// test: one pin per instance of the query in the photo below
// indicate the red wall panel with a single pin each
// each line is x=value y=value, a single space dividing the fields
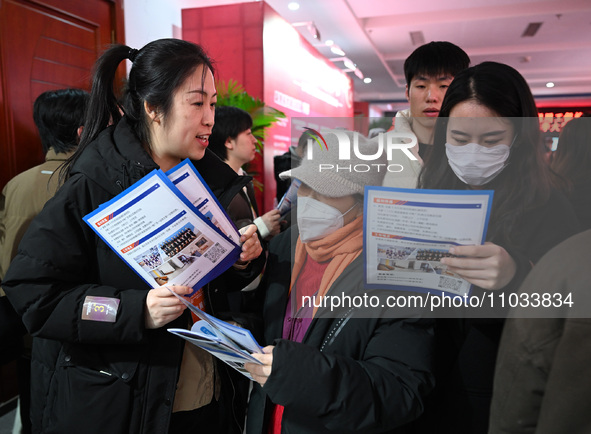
x=252 y=44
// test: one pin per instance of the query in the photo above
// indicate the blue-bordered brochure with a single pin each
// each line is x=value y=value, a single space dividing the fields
x=158 y=232
x=408 y=231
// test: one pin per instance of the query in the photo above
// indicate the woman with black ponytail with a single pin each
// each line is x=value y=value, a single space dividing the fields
x=487 y=136
x=128 y=375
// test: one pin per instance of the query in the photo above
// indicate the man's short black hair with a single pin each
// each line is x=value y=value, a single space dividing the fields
x=58 y=114
x=435 y=59
x=229 y=122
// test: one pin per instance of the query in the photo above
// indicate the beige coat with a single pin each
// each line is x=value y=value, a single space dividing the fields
x=543 y=373
x=22 y=199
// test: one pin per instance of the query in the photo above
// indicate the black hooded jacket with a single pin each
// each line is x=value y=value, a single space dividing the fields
x=356 y=371
x=90 y=376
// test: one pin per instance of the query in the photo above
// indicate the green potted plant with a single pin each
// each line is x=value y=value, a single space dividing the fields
x=233 y=94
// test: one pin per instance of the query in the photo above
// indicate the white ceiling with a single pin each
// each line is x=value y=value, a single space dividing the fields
x=375 y=35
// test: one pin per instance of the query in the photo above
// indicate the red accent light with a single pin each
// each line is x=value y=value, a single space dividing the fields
x=551 y=122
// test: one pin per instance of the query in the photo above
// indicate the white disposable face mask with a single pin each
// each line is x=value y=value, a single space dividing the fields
x=475 y=164
x=317 y=219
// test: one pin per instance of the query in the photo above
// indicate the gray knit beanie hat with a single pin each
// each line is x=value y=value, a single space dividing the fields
x=326 y=174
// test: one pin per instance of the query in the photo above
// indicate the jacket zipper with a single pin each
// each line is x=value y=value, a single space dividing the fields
x=336 y=329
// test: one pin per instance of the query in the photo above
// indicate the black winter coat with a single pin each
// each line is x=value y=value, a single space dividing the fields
x=89 y=376
x=351 y=374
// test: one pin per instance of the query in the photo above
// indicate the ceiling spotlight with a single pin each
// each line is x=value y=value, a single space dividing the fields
x=329 y=42
x=293 y=6
x=349 y=64
x=311 y=28
x=549 y=84
x=337 y=50
x=367 y=80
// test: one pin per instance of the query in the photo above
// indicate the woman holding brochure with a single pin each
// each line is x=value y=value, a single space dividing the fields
x=121 y=372
x=348 y=371
x=487 y=137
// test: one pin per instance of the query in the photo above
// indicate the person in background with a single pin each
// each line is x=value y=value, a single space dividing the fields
x=58 y=116
x=487 y=137
x=428 y=71
x=572 y=162
x=342 y=373
x=289 y=160
x=128 y=374
x=232 y=140
x=548 y=152
x=542 y=379
x=282 y=163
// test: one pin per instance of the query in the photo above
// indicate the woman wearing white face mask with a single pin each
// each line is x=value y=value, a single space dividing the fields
x=319 y=215
x=343 y=372
x=487 y=136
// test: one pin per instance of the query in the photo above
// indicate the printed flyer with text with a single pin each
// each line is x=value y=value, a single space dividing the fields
x=408 y=231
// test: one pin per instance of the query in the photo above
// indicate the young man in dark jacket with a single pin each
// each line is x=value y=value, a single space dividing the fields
x=232 y=140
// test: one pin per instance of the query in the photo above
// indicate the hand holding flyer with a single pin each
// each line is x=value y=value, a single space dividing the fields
x=407 y=232
x=180 y=236
x=289 y=198
x=232 y=345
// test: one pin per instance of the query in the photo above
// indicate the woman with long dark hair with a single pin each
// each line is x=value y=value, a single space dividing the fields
x=572 y=162
x=487 y=137
x=128 y=374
